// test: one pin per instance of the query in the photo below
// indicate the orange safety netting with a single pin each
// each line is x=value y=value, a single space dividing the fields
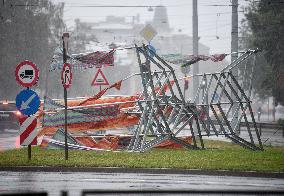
x=106 y=101
x=116 y=85
x=173 y=145
x=122 y=120
x=108 y=142
x=165 y=88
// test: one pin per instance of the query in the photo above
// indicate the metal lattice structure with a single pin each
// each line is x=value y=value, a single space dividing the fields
x=164 y=112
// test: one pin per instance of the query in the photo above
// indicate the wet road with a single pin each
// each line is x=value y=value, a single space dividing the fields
x=54 y=183
x=9 y=139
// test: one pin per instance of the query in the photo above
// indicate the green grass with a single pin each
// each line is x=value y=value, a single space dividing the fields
x=218 y=156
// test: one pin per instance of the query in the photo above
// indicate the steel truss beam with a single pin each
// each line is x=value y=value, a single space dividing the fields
x=165 y=112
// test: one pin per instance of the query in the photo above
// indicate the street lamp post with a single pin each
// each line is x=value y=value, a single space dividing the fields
x=185 y=85
x=268 y=109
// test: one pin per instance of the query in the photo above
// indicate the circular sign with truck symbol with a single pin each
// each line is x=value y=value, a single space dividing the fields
x=27 y=73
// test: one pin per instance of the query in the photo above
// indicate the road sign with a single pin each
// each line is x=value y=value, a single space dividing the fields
x=27 y=101
x=215 y=96
x=152 y=50
x=100 y=79
x=148 y=32
x=185 y=83
x=185 y=69
x=28 y=131
x=27 y=73
x=66 y=75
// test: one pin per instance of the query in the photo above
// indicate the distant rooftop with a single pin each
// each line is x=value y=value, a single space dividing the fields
x=112 y=26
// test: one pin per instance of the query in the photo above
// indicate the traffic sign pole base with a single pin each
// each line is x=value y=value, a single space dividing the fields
x=30 y=152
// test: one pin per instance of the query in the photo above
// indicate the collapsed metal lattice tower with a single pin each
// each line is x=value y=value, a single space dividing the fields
x=165 y=112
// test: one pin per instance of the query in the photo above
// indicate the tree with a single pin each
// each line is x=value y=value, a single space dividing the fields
x=29 y=29
x=53 y=84
x=264 y=29
x=80 y=38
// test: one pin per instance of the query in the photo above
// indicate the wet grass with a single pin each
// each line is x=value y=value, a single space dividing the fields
x=218 y=156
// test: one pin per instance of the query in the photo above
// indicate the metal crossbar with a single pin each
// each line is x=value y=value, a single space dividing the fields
x=165 y=114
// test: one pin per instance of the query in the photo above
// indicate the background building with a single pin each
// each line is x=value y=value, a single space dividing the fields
x=117 y=32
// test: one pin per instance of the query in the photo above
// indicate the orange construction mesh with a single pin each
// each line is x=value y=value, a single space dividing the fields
x=173 y=145
x=108 y=142
x=123 y=120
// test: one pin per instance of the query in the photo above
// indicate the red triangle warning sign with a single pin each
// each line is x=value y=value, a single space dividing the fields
x=100 y=79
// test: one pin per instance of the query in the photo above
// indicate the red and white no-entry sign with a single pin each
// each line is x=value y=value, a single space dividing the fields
x=66 y=75
x=27 y=73
x=28 y=132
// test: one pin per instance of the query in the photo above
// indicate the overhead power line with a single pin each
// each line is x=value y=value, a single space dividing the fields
x=219 y=5
x=112 y=6
x=127 y=6
x=106 y=6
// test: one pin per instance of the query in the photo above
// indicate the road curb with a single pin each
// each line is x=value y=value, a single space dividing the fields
x=146 y=170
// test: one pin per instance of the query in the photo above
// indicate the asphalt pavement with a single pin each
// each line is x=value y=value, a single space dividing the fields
x=75 y=183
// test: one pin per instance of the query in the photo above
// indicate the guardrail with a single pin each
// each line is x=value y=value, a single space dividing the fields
x=261 y=125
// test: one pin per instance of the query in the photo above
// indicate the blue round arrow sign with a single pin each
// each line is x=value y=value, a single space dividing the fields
x=27 y=102
x=152 y=50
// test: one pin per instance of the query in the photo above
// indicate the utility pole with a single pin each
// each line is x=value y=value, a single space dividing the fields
x=195 y=46
x=234 y=56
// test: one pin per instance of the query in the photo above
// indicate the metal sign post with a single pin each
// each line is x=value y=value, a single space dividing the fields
x=27 y=102
x=185 y=85
x=30 y=152
x=65 y=44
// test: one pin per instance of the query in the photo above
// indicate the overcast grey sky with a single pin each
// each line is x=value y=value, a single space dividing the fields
x=213 y=20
